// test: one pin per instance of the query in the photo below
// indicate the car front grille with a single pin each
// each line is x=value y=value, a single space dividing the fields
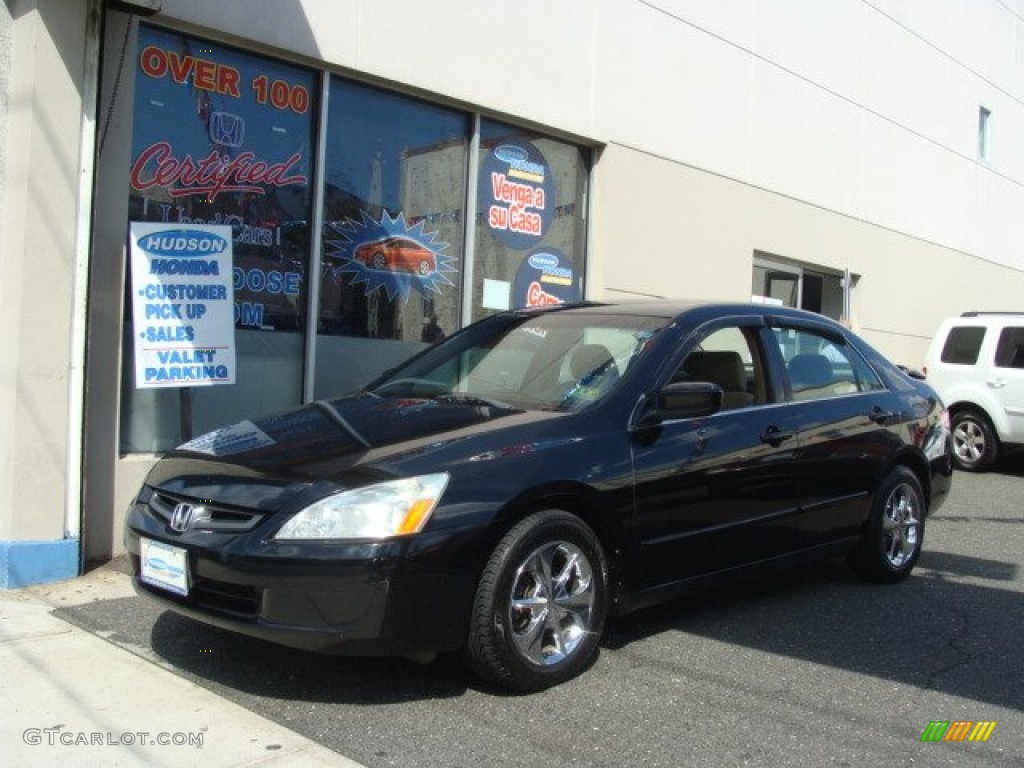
x=162 y=505
x=238 y=601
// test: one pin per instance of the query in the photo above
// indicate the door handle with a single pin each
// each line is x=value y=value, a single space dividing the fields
x=775 y=436
x=996 y=383
x=879 y=416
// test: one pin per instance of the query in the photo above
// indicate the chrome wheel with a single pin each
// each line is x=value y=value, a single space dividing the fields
x=894 y=531
x=901 y=527
x=540 y=604
x=969 y=441
x=551 y=603
x=974 y=442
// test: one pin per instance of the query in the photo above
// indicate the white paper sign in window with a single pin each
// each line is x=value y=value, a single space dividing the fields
x=183 y=305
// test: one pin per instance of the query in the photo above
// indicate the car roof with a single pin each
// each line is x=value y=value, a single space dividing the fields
x=980 y=313
x=673 y=308
x=975 y=319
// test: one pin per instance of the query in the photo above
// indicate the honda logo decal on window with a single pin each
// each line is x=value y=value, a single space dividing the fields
x=226 y=129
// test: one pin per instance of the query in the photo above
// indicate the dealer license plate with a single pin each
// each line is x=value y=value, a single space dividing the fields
x=164 y=566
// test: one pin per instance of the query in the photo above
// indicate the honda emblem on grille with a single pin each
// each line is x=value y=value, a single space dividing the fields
x=187 y=515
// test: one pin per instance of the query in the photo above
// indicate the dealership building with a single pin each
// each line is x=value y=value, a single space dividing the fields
x=214 y=211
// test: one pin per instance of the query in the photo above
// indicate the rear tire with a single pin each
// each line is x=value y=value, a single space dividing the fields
x=975 y=445
x=894 y=532
x=540 y=605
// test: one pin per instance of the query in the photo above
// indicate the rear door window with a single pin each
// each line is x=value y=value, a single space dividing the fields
x=821 y=367
x=1010 y=349
x=963 y=345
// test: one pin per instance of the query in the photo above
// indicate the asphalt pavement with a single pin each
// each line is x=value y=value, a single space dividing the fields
x=808 y=668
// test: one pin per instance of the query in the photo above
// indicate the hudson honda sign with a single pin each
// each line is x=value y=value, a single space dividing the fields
x=182 y=305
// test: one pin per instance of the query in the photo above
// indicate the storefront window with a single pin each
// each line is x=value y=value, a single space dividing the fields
x=224 y=137
x=531 y=231
x=395 y=190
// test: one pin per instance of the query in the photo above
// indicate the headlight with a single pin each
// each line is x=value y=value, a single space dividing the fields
x=396 y=508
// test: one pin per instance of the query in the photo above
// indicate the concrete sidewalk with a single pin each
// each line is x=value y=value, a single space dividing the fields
x=70 y=697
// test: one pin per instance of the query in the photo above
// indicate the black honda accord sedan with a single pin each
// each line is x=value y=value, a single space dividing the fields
x=505 y=491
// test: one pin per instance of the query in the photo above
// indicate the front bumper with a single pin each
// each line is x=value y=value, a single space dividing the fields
x=399 y=596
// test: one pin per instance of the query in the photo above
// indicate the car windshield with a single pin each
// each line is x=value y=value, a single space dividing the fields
x=556 y=361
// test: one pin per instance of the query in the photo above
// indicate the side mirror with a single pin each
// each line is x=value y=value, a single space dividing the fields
x=689 y=400
x=913 y=373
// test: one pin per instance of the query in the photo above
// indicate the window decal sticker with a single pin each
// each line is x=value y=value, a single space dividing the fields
x=389 y=254
x=517 y=194
x=545 y=277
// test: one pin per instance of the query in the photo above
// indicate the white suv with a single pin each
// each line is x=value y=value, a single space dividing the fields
x=976 y=364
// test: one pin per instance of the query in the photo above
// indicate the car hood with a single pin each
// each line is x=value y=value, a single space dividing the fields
x=349 y=441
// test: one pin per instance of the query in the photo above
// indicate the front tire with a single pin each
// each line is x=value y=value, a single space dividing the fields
x=540 y=605
x=894 y=533
x=975 y=445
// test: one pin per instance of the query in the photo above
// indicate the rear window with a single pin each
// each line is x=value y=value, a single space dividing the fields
x=963 y=344
x=1010 y=350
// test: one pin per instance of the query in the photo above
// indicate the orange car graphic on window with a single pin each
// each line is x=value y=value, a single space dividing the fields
x=396 y=254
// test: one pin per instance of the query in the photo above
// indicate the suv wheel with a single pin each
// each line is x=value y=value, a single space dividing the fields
x=975 y=445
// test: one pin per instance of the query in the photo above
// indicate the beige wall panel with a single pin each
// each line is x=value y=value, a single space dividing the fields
x=702 y=246
x=45 y=112
x=322 y=30
x=533 y=59
x=667 y=230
